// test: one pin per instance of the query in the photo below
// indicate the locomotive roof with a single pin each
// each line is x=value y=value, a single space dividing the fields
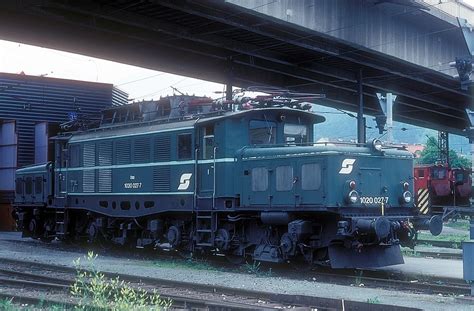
x=185 y=123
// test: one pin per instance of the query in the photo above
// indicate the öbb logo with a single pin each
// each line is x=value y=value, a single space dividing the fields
x=185 y=181
x=347 y=166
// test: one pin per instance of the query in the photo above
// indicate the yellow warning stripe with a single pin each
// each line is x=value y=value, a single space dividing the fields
x=423 y=202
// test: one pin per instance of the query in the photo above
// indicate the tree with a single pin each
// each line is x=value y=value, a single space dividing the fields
x=430 y=155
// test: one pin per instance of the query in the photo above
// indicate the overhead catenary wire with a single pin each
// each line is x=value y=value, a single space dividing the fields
x=141 y=79
x=160 y=90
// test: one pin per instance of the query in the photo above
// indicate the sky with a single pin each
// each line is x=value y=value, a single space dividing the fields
x=139 y=83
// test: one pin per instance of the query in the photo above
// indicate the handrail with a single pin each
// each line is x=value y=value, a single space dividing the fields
x=214 y=180
x=328 y=143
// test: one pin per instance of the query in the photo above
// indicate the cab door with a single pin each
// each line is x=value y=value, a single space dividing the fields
x=310 y=182
x=206 y=164
x=61 y=169
x=284 y=182
x=257 y=184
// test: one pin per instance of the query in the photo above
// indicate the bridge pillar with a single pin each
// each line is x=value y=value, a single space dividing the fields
x=361 y=133
x=386 y=104
x=468 y=246
x=228 y=84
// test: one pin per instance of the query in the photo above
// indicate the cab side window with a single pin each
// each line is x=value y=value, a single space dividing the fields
x=184 y=146
x=29 y=185
x=38 y=185
x=262 y=132
x=19 y=186
x=208 y=142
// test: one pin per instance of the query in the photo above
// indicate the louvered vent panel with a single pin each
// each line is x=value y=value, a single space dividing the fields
x=162 y=148
x=141 y=150
x=161 y=179
x=105 y=153
x=88 y=181
x=122 y=152
x=88 y=157
x=105 y=180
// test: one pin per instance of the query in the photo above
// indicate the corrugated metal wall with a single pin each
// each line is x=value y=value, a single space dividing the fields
x=31 y=99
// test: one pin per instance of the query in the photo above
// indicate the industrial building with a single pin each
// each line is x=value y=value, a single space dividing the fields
x=31 y=110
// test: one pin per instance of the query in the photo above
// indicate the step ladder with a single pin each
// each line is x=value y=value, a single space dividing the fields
x=206 y=226
x=61 y=223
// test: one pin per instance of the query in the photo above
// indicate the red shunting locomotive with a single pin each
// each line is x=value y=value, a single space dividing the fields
x=438 y=186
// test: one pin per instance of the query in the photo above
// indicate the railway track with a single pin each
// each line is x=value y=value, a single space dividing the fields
x=434 y=254
x=56 y=279
x=59 y=284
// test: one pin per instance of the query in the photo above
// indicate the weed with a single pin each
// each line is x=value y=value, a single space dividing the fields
x=410 y=252
x=8 y=305
x=256 y=268
x=95 y=291
x=253 y=268
x=358 y=278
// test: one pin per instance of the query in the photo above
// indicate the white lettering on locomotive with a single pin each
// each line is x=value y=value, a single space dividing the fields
x=347 y=166
x=374 y=200
x=185 y=181
x=132 y=185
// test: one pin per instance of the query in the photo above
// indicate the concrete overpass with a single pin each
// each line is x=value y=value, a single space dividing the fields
x=341 y=48
x=422 y=32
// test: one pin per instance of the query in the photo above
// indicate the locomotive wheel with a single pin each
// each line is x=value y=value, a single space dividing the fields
x=222 y=240
x=174 y=236
x=33 y=227
x=93 y=233
x=286 y=243
x=96 y=237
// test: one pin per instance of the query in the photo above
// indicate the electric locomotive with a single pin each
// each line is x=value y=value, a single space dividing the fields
x=241 y=178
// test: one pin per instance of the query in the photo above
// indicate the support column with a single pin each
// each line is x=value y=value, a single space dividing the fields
x=390 y=99
x=228 y=90
x=386 y=104
x=468 y=246
x=228 y=84
x=361 y=134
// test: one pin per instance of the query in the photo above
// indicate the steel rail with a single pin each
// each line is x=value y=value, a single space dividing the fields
x=276 y=298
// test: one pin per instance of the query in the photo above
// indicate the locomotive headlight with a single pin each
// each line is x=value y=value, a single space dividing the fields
x=353 y=197
x=407 y=197
x=377 y=144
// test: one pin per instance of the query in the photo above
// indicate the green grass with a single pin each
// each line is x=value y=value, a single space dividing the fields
x=460 y=224
x=456 y=238
x=9 y=305
x=374 y=300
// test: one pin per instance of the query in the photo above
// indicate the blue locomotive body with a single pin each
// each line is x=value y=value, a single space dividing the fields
x=242 y=182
